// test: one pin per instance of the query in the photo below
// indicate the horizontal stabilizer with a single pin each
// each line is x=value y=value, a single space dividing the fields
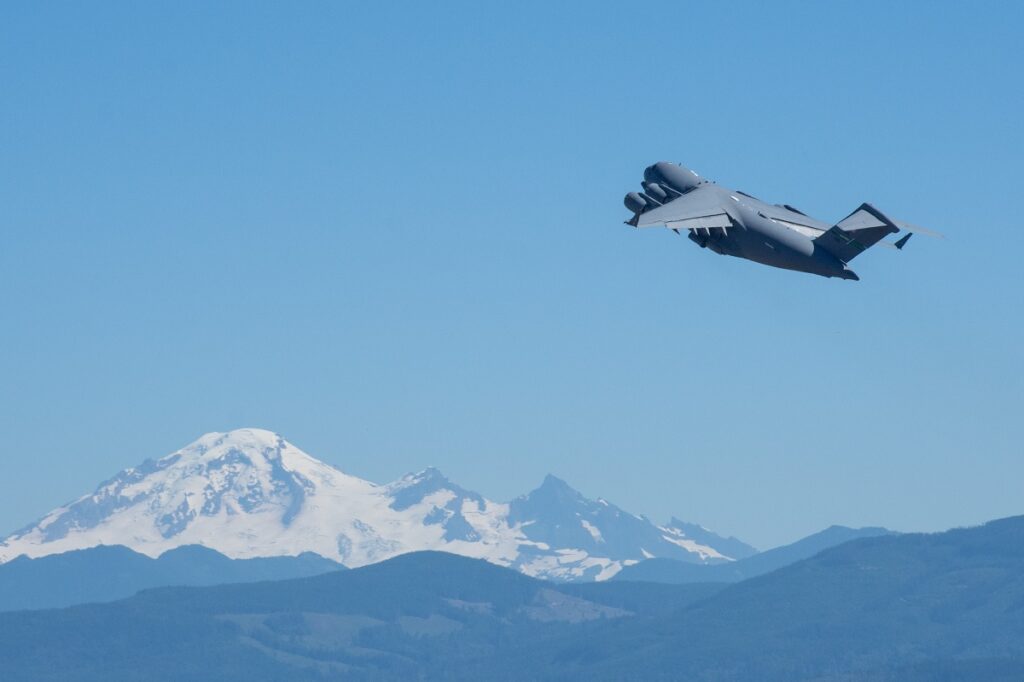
x=855 y=233
x=907 y=227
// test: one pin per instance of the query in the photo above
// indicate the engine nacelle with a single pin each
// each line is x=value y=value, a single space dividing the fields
x=636 y=203
x=655 y=191
x=678 y=178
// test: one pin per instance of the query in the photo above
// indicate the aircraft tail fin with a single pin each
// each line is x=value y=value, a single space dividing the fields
x=855 y=233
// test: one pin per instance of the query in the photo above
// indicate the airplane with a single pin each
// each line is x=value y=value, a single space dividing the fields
x=733 y=223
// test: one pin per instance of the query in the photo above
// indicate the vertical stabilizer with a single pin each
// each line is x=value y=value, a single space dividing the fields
x=857 y=232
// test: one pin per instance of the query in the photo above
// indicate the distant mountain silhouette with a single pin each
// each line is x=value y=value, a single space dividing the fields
x=387 y=620
x=677 y=572
x=946 y=606
x=105 y=573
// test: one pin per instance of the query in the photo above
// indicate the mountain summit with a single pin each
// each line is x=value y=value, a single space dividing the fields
x=250 y=493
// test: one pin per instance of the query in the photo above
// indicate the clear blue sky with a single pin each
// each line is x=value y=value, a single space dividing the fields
x=393 y=233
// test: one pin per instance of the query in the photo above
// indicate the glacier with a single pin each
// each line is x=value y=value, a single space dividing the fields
x=250 y=493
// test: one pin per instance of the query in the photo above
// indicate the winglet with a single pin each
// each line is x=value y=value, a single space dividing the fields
x=902 y=241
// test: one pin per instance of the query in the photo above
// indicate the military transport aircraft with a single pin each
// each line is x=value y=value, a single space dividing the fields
x=733 y=223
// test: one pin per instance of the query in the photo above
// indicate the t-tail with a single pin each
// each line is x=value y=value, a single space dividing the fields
x=856 y=233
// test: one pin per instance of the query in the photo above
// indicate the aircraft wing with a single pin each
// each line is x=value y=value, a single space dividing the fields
x=793 y=219
x=701 y=208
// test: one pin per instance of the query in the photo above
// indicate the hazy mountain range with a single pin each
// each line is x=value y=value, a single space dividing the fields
x=107 y=573
x=249 y=493
x=235 y=549
x=894 y=607
x=678 y=572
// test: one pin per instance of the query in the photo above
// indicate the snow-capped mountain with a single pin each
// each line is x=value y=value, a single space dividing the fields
x=249 y=493
x=563 y=525
x=732 y=547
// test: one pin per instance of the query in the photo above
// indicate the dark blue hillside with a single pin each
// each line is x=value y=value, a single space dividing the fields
x=947 y=606
x=891 y=607
x=409 y=616
x=418 y=583
x=104 y=573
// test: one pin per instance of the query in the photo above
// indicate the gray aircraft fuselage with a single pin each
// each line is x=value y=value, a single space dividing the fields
x=763 y=240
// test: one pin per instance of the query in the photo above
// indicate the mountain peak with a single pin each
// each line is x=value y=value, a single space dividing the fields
x=413 y=489
x=249 y=439
x=249 y=493
x=552 y=485
x=248 y=432
x=428 y=480
x=554 y=491
x=554 y=481
x=250 y=477
x=428 y=474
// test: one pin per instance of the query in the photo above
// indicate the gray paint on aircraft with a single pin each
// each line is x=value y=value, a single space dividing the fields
x=734 y=223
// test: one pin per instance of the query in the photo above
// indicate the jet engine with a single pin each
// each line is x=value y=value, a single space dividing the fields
x=636 y=203
x=655 y=191
x=676 y=177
